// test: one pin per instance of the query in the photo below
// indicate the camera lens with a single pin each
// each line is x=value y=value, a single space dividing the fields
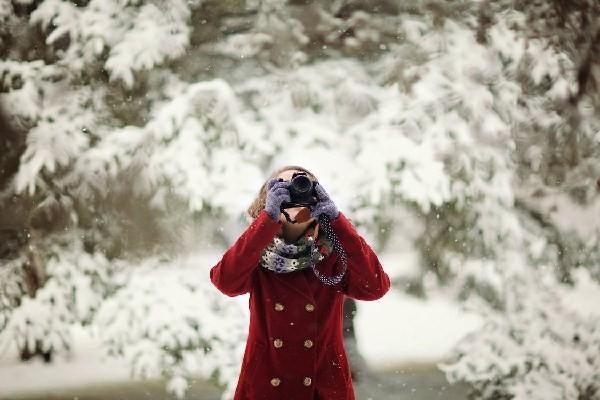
x=301 y=184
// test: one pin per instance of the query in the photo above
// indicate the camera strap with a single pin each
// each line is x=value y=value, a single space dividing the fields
x=337 y=246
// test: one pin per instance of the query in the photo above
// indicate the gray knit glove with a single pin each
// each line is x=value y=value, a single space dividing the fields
x=277 y=193
x=324 y=205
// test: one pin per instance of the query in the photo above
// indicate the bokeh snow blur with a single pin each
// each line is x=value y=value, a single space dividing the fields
x=461 y=138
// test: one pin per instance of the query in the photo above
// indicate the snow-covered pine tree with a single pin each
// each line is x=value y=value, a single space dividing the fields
x=536 y=348
x=115 y=155
x=531 y=346
x=134 y=119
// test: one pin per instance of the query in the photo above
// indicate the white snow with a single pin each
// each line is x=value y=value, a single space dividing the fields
x=395 y=330
x=87 y=366
x=406 y=330
x=400 y=329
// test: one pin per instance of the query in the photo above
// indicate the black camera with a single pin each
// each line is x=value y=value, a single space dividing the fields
x=302 y=192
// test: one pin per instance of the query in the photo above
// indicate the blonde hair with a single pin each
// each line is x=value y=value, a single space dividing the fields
x=259 y=202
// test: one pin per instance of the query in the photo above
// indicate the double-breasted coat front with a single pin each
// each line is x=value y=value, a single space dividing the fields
x=295 y=348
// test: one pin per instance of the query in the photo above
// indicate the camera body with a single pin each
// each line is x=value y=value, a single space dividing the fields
x=302 y=191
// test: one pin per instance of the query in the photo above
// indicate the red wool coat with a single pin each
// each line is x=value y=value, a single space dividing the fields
x=295 y=347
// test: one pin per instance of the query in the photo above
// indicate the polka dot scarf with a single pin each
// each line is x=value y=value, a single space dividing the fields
x=309 y=249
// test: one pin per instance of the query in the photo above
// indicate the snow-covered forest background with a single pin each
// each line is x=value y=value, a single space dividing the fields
x=462 y=138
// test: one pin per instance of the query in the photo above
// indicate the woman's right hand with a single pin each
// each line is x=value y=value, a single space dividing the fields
x=277 y=193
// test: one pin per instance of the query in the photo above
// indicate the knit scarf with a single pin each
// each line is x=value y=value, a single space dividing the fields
x=308 y=250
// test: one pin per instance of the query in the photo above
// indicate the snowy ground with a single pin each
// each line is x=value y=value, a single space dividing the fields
x=416 y=336
x=400 y=329
x=397 y=330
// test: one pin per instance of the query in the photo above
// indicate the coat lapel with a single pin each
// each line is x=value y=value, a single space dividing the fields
x=297 y=282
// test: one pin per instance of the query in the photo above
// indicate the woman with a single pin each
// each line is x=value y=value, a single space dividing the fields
x=296 y=276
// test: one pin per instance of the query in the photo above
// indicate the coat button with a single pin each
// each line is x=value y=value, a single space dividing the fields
x=309 y=307
x=278 y=306
x=308 y=343
x=277 y=343
x=275 y=381
x=307 y=381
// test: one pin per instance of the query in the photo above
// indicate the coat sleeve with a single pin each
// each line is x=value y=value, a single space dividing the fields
x=232 y=275
x=365 y=278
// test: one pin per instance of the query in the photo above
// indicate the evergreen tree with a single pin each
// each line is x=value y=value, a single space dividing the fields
x=138 y=124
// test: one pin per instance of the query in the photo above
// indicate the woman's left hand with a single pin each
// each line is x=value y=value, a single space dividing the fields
x=324 y=205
